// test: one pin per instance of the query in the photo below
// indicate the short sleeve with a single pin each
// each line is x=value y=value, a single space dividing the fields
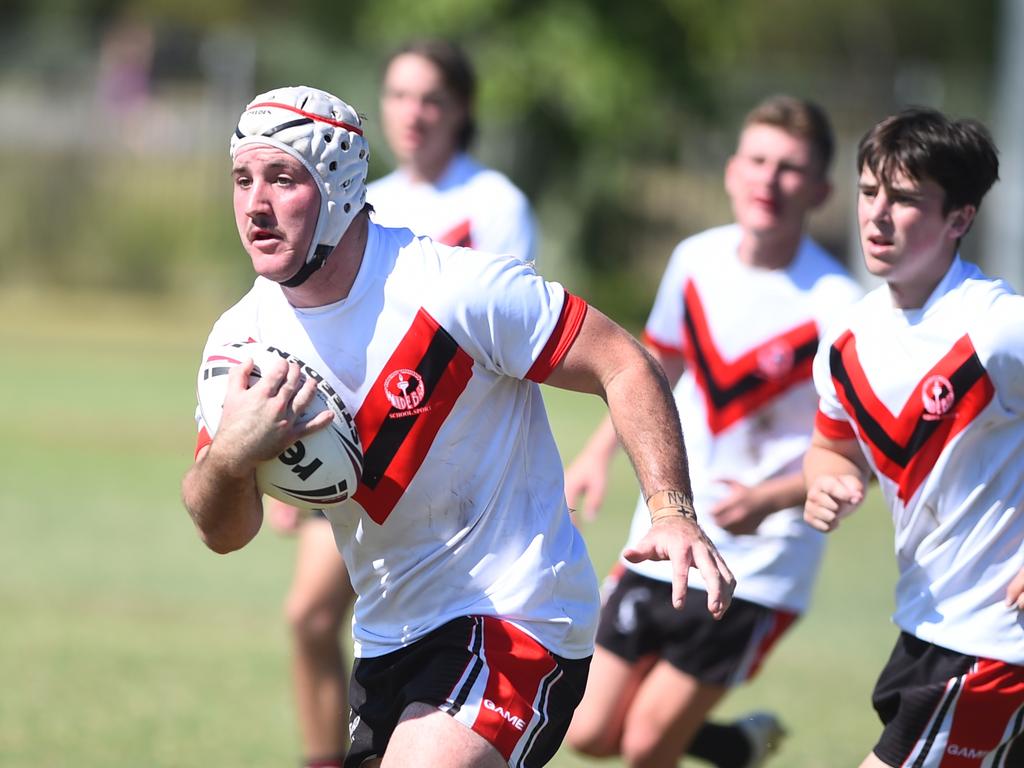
x=203 y=437
x=833 y=429
x=509 y=230
x=504 y=315
x=1004 y=325
x=574 y=310
x=664 y=327
x=831 y=414
x=234 y=325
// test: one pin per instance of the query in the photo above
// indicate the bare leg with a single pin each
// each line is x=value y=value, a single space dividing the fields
x=872 y=761
x=427 y=736
x=319 y=598
x=596 y=727
x=667 y=711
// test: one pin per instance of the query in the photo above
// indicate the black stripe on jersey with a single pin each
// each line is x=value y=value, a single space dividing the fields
x=392 y=433
x=962 y=379
x=475 y=646
x=951 y=697
x=723 y=396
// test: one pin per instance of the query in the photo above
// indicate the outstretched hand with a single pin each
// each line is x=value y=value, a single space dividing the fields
x=681 y=541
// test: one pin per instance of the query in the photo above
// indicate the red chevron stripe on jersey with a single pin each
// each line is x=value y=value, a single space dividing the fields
x=734 y=389
x=404 y=409
x=459 y=236
x=905 y=447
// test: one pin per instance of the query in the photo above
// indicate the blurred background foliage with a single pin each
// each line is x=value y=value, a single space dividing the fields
x=616 y=118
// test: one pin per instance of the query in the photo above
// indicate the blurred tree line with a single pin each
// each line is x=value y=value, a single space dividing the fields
x=614 y=117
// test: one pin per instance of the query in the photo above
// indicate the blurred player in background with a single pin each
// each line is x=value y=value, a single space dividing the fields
x=427 y=111
x=736 y=323
x=923 y=386
x=476 y=601
x=427 y=104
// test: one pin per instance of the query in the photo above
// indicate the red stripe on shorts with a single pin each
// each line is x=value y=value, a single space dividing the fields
x=993 y=692
x=516 y=666
x=781 y=621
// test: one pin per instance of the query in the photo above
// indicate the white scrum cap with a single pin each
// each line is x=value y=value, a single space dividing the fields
x=324 y=134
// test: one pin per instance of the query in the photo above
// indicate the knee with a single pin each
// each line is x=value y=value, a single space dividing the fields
x=312 y=620
x=641 y=748
x=591 y=741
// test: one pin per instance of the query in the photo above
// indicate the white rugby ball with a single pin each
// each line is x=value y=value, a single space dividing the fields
x=320 y=470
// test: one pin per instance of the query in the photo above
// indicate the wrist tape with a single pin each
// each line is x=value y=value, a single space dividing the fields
x=670 y=504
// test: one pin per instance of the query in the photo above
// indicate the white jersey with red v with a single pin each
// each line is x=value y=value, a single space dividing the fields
x=746 y=401
x=470 y=206
x=461 y=508
x=935 y=396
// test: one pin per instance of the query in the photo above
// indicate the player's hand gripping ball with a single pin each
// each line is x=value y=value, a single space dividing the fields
x=320 y=470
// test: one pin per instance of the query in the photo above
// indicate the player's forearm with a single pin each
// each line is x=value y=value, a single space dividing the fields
x=605 y=360
x=821 y=460
x=647 y=423
x=784 y=492
x=225 y=506
x=604 y=441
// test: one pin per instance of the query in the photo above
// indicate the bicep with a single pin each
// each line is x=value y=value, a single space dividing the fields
x=602 y=350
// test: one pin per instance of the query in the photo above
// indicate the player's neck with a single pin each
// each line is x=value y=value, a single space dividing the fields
x=334 y=280
x=914 y=292
x=429 y=170
x=774 y=250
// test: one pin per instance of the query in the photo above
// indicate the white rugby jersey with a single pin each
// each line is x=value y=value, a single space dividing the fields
x=469 y=205
x=935 y=396
x=461 y=507
x=746 y=399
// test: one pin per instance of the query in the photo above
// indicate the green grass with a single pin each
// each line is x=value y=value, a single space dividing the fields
x=124 y=642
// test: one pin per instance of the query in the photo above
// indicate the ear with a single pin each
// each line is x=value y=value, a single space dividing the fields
x=960 y=221
x=729 y=174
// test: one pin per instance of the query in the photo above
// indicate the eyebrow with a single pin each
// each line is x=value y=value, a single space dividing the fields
x=904 y=190
x=891 y=189
x=273 y=165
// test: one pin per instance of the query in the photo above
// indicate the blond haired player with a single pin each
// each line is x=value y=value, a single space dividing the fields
x=736 y=321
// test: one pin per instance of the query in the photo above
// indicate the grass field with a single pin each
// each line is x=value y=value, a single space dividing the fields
x=123 y=642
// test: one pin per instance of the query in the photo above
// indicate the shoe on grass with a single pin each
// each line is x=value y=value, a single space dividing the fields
x=764 y=731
